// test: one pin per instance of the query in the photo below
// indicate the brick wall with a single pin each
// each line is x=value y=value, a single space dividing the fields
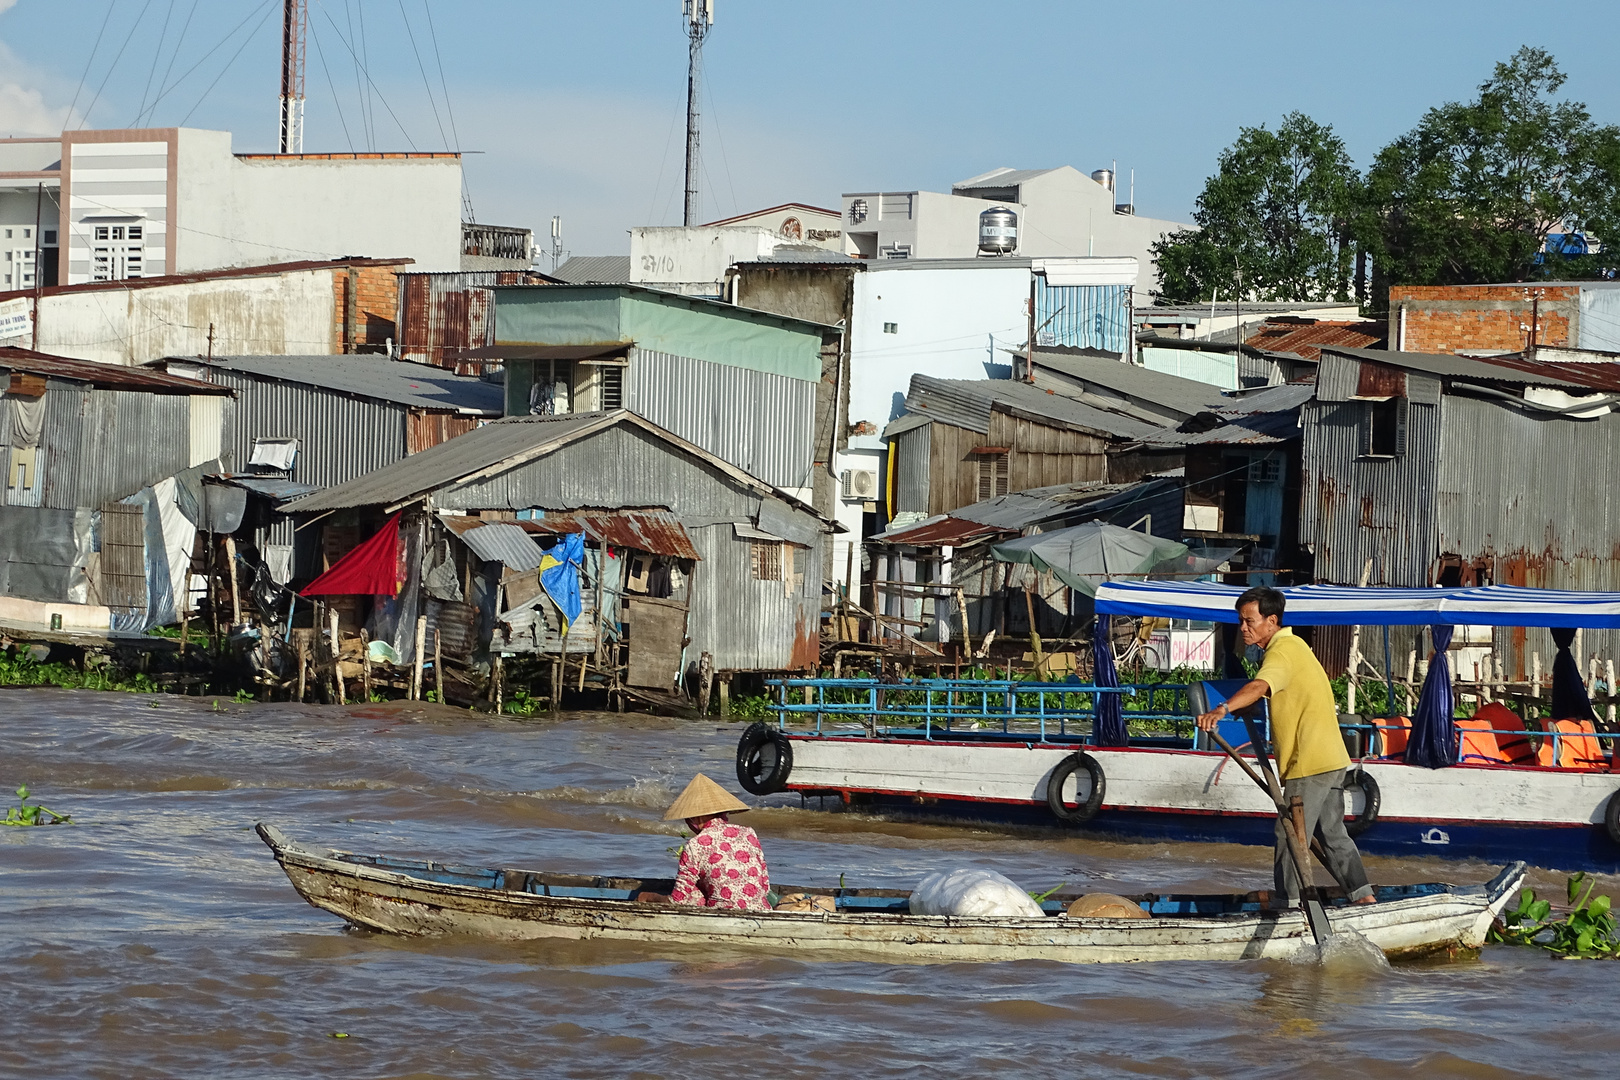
x=376 y=292
x=1458 y=318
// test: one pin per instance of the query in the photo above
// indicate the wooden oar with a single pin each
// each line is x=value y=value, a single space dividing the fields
x=1315 y=914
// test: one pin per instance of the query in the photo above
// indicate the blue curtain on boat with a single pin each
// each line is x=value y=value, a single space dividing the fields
x=1433 y=743
x=1109 y=727
x=1569 y=700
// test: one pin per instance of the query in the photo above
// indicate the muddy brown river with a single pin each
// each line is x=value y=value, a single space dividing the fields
x=157 y=937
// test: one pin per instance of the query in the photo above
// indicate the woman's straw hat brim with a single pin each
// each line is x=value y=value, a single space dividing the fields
x=701 y=798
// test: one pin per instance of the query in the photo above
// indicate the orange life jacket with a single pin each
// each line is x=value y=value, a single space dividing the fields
x=1394 y=731
x=1577 y=748
x=1494 y=735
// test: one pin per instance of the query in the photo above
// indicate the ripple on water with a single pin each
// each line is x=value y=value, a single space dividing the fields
x=157 y=937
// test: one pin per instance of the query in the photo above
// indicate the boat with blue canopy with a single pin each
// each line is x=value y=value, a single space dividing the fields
x=1126 y=760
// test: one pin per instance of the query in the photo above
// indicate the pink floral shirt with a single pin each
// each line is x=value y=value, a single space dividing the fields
x=723 y=867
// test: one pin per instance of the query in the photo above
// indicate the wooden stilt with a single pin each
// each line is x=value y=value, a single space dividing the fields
x=706 y=681
x=438 y=668
x=365 y=664
x=417 y=658
x=337 y=654
x=236 y=596
x=725 y=693
x=495 y=680
x=556 y=684
x=303 y=664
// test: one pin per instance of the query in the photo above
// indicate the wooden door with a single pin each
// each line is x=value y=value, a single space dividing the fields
x=657 y=634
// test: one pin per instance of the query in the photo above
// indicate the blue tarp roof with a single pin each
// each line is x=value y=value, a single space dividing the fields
x=1343 y=605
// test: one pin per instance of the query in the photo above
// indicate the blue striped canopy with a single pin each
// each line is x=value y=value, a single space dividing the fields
x=1344 y=605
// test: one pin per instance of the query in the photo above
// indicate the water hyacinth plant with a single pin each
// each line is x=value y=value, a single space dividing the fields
x=1586 y=932
x=31 y=815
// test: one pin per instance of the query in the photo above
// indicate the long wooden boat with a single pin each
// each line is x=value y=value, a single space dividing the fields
x=417 y=897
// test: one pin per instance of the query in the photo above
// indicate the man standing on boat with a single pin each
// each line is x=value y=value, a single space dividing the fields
x=1309 y=750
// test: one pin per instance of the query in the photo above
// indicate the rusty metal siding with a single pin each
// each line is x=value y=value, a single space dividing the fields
x=442 y=313
x=750 y=625
x=424 y=429
x=1336 y=377
x=911 y=470
x=1352 y=509
x=1535 y=499
x=339 y=437
x=760 y=422
x=102 y=445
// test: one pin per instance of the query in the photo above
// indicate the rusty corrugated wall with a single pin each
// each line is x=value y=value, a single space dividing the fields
x=443 y=313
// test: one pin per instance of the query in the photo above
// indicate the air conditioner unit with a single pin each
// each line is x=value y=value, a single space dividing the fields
x=860 y=484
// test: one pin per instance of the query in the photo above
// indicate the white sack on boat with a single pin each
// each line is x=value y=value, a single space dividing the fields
x=971 y=892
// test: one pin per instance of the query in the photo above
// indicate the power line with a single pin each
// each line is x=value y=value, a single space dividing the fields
x=338 y=104
x=438 y=59
x=428 y=86
x=268 y=10
x=172 y=87
x=359 y=68
x=119 y=56
x=359 y=87
x=163 y=84
x=157 y=54
x=105 y=19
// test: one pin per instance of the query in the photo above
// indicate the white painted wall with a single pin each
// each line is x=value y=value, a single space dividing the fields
x=278 y=314
x=944 y=320
x=235 y=212
x=851 y=512
x=693 y=260
x=1063 y=212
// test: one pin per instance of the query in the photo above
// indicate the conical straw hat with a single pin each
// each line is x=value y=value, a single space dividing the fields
x=701 y=798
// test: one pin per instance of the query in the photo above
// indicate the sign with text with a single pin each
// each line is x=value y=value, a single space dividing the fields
x=15 y=320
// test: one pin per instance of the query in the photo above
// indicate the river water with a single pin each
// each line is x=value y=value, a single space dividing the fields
x=157 y=937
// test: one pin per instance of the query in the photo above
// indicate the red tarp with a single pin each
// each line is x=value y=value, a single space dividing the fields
x=372 y=569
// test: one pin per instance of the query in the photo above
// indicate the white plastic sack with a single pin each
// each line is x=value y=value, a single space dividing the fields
x=972 y=892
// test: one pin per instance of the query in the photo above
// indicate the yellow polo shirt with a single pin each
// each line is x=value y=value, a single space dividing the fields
x=1304 y=721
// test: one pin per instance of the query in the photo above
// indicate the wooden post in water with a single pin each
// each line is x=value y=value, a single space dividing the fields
x=417 y=659
x=365 y=664
x=706 y=681
x=303 y=664
x=337 y=655
x=1608 y=671
x=725 y=693
x=495 y=681
x=438 y=668
x=236 y=596
x=1411 y=670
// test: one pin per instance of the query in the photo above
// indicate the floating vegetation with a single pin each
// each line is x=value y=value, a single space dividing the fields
x=1586 y=932
x=31 y=815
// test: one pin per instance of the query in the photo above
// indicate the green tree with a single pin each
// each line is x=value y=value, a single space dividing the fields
x=1275 y=215
x=1471 y=194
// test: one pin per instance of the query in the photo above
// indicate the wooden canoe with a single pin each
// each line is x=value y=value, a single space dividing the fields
x=416 y=897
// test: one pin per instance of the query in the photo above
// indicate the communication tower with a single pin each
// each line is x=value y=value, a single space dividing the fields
x=294 y=17
x=699 y=16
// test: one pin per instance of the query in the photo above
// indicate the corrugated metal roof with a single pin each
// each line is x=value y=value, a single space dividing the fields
x=967 y=403
x=418 y=386
x=909 y=422
x=1019 y=509
x=1268 y=416
x=1305 y=337
x=1501 y=369
x=595 y=270
x=103 y=376
x=503 y=542
x=657 y=532
x=1183 y=395
x=943 y=529
x=271 y=487
x=495 y=448
x=545 y=352
x=1196 y=312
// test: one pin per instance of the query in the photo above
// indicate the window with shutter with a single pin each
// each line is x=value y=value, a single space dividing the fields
x=993 y=473
x=765 y=557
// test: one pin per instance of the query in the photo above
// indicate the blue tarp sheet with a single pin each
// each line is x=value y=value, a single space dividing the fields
x=1343 y=605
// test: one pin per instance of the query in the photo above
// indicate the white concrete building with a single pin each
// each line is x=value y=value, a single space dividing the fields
x=1061 y=212
x=796 y=223
x=145 y=202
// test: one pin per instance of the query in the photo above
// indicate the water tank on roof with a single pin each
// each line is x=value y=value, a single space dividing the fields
x=998 y=231
x=1105 y=177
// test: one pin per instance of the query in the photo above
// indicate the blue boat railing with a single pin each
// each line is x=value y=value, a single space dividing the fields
x=932 y=708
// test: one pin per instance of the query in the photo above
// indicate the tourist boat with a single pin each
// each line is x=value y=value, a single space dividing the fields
x=1024 y=753
x=417 y=897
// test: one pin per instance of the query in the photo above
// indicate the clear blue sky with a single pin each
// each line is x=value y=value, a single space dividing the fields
x=575 y=109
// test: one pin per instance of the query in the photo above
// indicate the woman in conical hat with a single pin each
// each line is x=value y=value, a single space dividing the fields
x=722 y=866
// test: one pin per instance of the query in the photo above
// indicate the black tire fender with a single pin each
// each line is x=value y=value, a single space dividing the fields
x=1372 y=798
x=764 y=759
x=1611 y=817
x=1080 y=813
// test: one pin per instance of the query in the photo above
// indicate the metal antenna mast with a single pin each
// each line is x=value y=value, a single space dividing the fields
x=699 y=15
x=294 y=16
